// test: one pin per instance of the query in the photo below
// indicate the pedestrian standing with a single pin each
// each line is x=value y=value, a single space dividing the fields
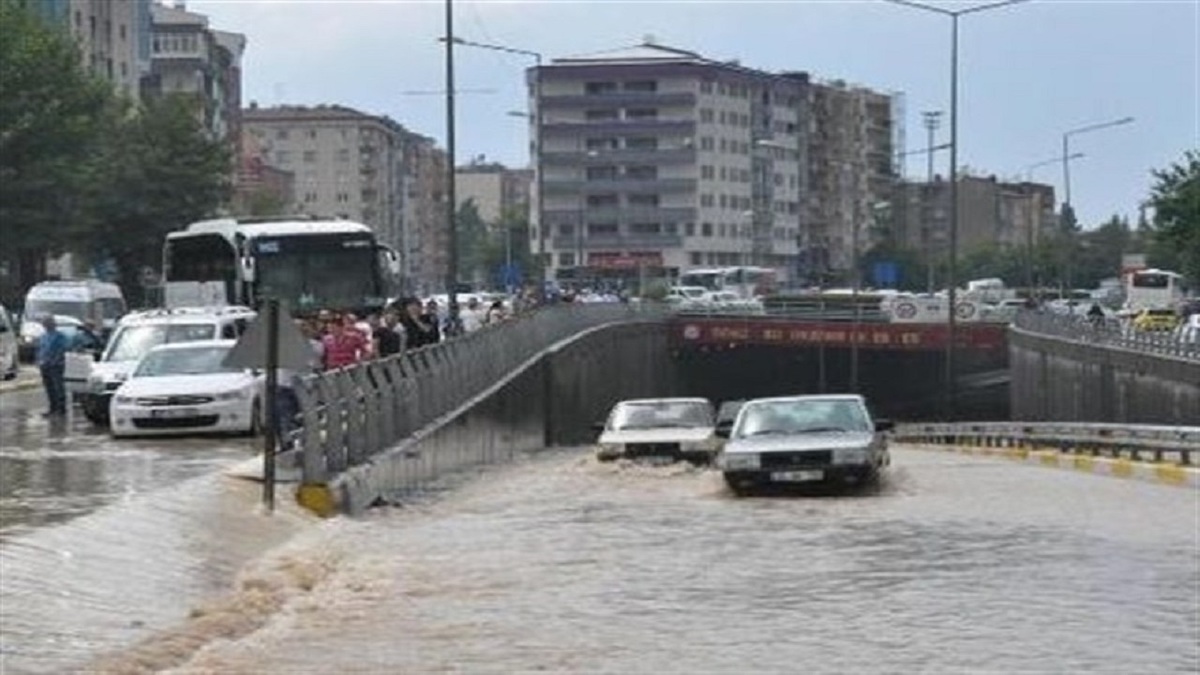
x=52 y=362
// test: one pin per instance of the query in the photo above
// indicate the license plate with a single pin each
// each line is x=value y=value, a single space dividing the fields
x=796 y=476
x=170 y=413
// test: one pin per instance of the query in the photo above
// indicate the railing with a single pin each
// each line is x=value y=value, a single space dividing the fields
x=350 y=414
x=1108 y=333
x=1138 y=442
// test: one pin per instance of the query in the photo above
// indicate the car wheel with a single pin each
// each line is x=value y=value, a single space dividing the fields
x=95 y=413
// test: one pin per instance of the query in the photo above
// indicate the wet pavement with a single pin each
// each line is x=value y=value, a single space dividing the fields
x=561 y=564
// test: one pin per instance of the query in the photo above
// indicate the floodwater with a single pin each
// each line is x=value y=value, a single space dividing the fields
x=557 y=563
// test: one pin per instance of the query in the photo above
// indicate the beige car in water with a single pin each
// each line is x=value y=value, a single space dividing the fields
x=670 y=429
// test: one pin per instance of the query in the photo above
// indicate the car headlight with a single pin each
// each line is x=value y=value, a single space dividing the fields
x=123 y=400
x=740 y=461
x=850 y=456
x=697 y=446
x=234 y=395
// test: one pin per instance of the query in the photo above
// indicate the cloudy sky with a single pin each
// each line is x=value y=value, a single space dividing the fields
x=1028 y=72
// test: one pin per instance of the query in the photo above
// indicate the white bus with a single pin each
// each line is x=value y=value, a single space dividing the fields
x=309 y=264
x=747 y=282
x=1153 y=289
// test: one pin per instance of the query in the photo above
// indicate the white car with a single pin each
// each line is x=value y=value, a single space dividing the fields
x=668 y=428
x=803 y=439
x=182 y=388
x=8 y=345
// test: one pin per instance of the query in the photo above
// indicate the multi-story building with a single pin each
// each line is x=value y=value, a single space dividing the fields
x=113 y=37
x=851 y=173
x=495 y=189
x=991 y=213
x=659 y=157
x=363 y=167
x=188 y=57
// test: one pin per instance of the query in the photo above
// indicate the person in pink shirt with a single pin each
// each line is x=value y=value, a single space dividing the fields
x=344 y=345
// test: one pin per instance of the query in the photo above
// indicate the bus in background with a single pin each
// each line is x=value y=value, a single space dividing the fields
x=310 y=264
x=1153 y=289
x=747 y=282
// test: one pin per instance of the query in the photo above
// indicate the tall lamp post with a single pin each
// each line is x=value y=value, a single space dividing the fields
x=1068 y=211
x=1029 y=230
x=536 y=119
x=451 y=196
x=952 y=271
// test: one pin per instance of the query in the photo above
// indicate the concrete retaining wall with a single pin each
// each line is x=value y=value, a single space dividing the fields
x=1055 y=379
x=553 y=399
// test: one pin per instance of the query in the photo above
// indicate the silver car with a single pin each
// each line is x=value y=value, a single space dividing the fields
x=802 y=440
x=662 y=428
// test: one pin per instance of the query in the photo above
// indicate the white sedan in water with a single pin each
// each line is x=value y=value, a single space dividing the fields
x=662 y=428
x=182 y=388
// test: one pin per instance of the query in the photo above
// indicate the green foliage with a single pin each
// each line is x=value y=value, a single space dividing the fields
x=1176 y=226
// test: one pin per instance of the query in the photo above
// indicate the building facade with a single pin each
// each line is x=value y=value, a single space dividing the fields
x=188 y=57
x=113 y=37
x=495 y=189
x=659 y=157
x=363 y=167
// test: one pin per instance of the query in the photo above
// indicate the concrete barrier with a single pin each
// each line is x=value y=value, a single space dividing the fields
x=552 y=399
x=1162 y=473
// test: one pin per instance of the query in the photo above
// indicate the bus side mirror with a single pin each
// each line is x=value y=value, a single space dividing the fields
x=391 y=259
x=247 y=268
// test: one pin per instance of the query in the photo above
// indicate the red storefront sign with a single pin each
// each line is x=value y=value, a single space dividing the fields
x=880 y=336
x=625 y=260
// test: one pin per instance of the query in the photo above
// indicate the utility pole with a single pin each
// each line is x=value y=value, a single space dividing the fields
x=451 y=195
x=932 y=120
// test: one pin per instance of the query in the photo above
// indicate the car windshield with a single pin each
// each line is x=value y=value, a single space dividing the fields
x=132 y=342
x=661 y=415
x=39 y=308
x=200 y=360
x=802 y=416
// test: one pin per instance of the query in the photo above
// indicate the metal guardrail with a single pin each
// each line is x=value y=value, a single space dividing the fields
x=350 y=414
x=1108 y=333
x=790 y=309
x=1138 y=442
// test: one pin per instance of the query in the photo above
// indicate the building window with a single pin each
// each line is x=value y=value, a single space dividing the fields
x=310 y=197
x=600 y=87
x=281 y=134
x=602 y=200
x=697 y=258
x=706 y=200
x=643 y=200
x=706 y=172
x=642 y=172
x=566 y=259
x=596 y=115
x=601 y=173
x=671 y=228
x=312 y=133
x=642 y=143
x=283 y=157
x=343 y=155
x=689 y=229
x=706 y=87
x=641 y=85
x=121 y=31
x=310 y=156
x=566 y=230
x=706 y=230
x=706 y=143
x=641 y=114
x=645 y=228
x=706 y=115
x=602 y=144
x=343 y=197
x=601 y=229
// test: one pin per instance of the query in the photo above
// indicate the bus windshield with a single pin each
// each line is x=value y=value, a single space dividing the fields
x=318 y=271
x=710 y=279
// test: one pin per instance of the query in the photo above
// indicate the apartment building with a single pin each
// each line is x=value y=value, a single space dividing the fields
x=494 y=188
x=992 y=212
x=113 y=37
x=662 y=158
x=189 y=57
x=364 y=167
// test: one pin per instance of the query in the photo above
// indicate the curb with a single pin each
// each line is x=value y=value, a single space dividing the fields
x=1165 y=473
x=9 y=387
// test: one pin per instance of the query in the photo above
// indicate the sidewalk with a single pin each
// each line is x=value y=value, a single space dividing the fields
x=27 y=378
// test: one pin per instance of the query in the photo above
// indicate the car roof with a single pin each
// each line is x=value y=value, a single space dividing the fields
x=214 y=314
x=666 y=400
x=809 y=397
x=192 y=344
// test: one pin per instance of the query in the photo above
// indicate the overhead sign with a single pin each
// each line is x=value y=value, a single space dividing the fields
x=295 y=352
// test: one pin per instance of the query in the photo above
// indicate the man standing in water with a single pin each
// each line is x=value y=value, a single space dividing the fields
x=52 y=362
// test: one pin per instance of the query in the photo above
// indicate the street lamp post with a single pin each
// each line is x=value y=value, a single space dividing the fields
x=1029 y=229
x=952 y=267
x=1068 y=211
x=539 y=174
x=451 y=196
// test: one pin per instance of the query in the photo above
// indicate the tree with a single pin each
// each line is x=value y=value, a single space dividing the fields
x=156 y=171
x=472 y=240
x=1176 y=201
x=50 y=110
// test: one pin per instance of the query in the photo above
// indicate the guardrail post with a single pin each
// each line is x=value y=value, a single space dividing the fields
x=311 y=437
x=334 y=424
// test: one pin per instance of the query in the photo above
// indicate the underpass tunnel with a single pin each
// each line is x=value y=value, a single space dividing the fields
x=901 y=385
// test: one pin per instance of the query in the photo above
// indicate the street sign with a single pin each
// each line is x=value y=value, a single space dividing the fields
x=886 y=274
x=295 y=353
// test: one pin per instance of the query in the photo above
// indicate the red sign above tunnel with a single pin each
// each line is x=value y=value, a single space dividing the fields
x=688 y=331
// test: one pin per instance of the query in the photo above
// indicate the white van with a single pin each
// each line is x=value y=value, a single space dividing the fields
x=138 y=332
x=87 y=300
x=8 y=345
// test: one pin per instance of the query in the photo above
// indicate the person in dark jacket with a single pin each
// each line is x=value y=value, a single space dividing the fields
x=419 y=330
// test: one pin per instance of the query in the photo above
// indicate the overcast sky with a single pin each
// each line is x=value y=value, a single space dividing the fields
x=1027 y=72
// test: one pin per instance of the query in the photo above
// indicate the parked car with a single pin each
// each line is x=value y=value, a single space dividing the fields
x=183 y=388
x=803 y=439
x=670 y=428
x=1153 y=320
x=99 y=302
x=9 y=360
x=138 y=332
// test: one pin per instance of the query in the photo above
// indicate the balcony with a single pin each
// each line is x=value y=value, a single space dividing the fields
x=627 y=185
x=626 y=214
x=618 y=242
x=624 y=155
x=648 y=126
x=621 y=98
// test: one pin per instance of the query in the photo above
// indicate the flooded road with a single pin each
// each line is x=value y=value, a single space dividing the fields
x=52 y=471
x=564 y=565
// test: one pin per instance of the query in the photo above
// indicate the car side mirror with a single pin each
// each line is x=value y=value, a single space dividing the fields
x=884 y=425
